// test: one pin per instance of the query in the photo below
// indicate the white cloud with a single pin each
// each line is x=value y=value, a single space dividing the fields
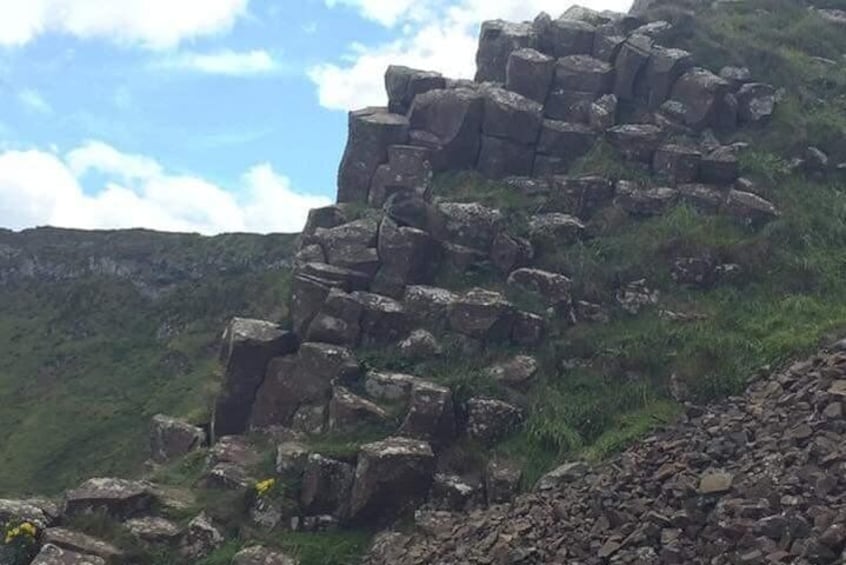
x=155 y=24
x=34 y=101
x=44 y=188
x=225 y=62
x=435 y=35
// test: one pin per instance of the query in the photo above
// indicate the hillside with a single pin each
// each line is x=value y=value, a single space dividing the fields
x=552 y=318
x=101 y=330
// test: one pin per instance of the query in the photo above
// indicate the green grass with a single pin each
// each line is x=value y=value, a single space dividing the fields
x=86 y=364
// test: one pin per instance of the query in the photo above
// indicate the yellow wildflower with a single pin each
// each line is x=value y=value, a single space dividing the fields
x=263 y=486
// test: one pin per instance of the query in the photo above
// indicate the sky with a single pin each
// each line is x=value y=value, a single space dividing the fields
x=206 y=116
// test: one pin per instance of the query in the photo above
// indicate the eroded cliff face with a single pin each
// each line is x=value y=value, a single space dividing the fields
x=154 y=262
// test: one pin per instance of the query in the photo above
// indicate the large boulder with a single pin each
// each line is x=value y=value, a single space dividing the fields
x=511 y=116
x=312 y=284
x=431 y=413
x=720 y=166
x=677 y=164
x=583 y=73
x=528 y=329
x=153 y=530
x=502 y=481
x=518 y=373
x=371 y=132
x=346 y=245
x=552 y=289
x=702 y=93
x=562 y=475
x=705 y=198
x=349 y=412
x=581 y=196
x=409 y=169
x=383 y=319
x=119 y=498
x=325 y=217
x=171 y=438
x=248 y=346
x=569 y=105
x=420 y=345
x=78 y=542
x=54 y=555
x=756 y=102
x=490 y=420
x=606 y=46
x=550 y=231
x=452 y=118
x=631 y=61
x=750 y=208
x=201 y=538
x=408 y=209
x=326 y=487
x=301 y=379
x=569 y=37
x=470 y=224
x=510 y=252
x=500 y=158
x=664 y=67
x=529 y=73
x=408 y=256
x=391 y=387
x=644 y=201
x=338 y=321
x=482 y=314
x=392 y=476
x=564 y=140
x=602 y=113
x=497 y=40
x=25 y=510
x=637 y=142
x=403 y=84
x=428 y=306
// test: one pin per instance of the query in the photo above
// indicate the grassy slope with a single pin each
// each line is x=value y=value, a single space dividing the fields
x=83 y=369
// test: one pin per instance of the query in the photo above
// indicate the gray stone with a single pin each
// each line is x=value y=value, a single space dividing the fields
x=201 y=538
x=427 y=306
x=470 y=224
x=310 y=419
x=756 y=102
x=701 y=92
x=705 y=198
x=53 y=555
x=570 y=37
x=584 y=73
x=511 y=116
x=291 y=459
x=383 y=320
x=392 y=475
x=402 y=84
x=170 y=438
x=258 y=555
x=569 y=105
x=349 y=412
x=326 y=487
x=454 y=119
x=452 y=493
x=676 y=163
x=408 y=256
x=602 y=113
x=409 y=169
x=606 y=47
x=563 y=475
x=301 y=379
x=502 y=481
x=490 y=420
x=509 y=252
x=528 y=329
x=736 y=76
x=637 y=142
x=78 y=542
x=420 y=345
x=371 y=132
x=481 y=314
x=552 y=289
x=154 y=530
x=529 y=73
x=431 y=413
x=500 y=158
x=566 y=140
x=325 y=217
x=497 y=40
x=664 y=67
x=581 y=196
x=719 y=167
x=391 y=387
x=640 y=201
x=518 y=372
x=630 y=62
x=554 y=229
x=118 y=498
x=247 y=347
x=750 y=208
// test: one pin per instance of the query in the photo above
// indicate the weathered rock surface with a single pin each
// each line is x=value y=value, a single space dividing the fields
x=552 y=289
x=153 y=530
x=53 y=555
x=482 y=314
x=78 y=542
x=529 y=73
x=248 y=346
x=403 y=84
x=119 y=498
x=490 y=420
x=392 y=476
x=431 y=413
x=349 y=412
x=497 y=40
x=753 y=479
x=201 y=538
x=452 y=120
x=326 y=487
x=170 y=438
x=518 y=373
x=258 y=555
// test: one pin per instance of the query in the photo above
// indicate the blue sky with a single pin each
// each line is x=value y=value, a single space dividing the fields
x=205 y=115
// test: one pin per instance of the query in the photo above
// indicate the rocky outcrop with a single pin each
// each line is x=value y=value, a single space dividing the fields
x=750 y=480
x=248 y=346
x=170 y=438
x=119 y=498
